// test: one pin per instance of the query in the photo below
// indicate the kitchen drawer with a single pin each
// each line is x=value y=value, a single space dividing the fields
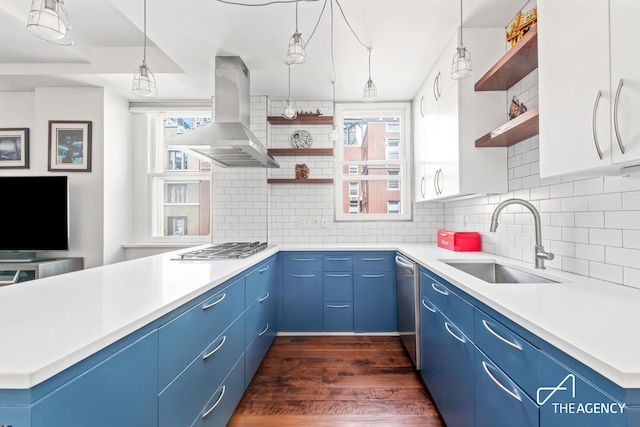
x=451 y=305
x=187 y=395
x=219 y=409
x=302 y=262
x=374 y=302
x=260 y=344
x=337 y=262
x=258 y=314
x=513 y=354
x=338 y=286
x=259 y=280
x=374 y=261
x=186 y=336
x=302 y=302
x=338 y=316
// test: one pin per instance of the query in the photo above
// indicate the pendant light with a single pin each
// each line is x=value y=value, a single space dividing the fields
x=296 y=53
x=370 y=93
x=48 y=20
x=289 y=112
x=144 y=83
x=333 y=135
x=461 y=66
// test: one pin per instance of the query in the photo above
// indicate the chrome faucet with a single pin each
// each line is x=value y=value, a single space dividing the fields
x=540 y=254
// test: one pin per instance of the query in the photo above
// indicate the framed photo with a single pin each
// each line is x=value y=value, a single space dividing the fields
x=14 y=148
x=69 y=146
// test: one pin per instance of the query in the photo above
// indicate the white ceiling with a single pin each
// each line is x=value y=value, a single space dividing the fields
x=186 y=35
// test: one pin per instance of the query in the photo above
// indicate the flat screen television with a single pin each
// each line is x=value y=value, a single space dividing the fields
x=34 y=213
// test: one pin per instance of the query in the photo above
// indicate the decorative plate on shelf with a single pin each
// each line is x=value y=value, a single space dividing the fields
x=301 y=139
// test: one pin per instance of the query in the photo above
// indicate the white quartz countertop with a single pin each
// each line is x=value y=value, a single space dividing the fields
x=48 y=325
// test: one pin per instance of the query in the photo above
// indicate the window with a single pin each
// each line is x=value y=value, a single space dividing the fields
x=375 y=143
x=180 y=202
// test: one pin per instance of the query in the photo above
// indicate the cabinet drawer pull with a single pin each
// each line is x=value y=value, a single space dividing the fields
x=424 y=303
x=372 y=259
x=204 y=307
x=423 y=184
x=264 y=297
x=303 y=276
x=499 y=384
x=615 y=116
x=436 y=287
x=338 y=275
x=373 y=276
x=303 y=259
x=594 y=124
x=422 y=107
x=500 y=337
x=208 y=355
x=262 y=270
x=338 y=306
x=266 y=328
x=338 y=259
x=461 y=339
x=224 y=388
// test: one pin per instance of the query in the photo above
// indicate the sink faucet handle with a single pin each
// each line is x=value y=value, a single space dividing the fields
x=542 y=254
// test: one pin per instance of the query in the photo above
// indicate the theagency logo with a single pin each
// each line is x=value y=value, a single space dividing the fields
x=565 y=392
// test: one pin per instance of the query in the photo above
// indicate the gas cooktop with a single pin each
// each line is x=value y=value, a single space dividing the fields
x=225 y=251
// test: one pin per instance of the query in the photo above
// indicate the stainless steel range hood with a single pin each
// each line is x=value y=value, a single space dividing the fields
x=228 y=141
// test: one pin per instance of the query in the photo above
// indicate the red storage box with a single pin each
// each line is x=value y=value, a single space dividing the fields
x=459 y=241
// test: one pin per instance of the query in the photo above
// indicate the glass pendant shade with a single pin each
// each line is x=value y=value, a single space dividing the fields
x=296 y=53
x=334 y=135
x=290 y=110
x=144 y=83
x=461 y=66
x=48 y=20
x=370 y=93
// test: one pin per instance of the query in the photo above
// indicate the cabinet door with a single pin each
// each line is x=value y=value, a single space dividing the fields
x=624 y=67
x=419 y=181
x=338 y=316
x=431 y=159
x=447 y=147
x=573 y=86
x=431 y=357
x=374 y=297
x=499 y=401
x=458 y=407
x=302 y=302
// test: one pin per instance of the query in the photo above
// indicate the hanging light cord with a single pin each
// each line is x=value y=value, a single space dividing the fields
x=289 y=65
x=461 y=44
x=317 y=23
x=369 y=63
x=144 y=54
x=349 y=25
x=263 y=4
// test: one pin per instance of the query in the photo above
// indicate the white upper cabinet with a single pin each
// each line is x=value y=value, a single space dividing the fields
x=584 y=52
x=451 y=116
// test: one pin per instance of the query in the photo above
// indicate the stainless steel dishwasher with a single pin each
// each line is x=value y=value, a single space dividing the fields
x=408 y=288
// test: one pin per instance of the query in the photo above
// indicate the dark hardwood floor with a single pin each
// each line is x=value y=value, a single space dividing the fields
x=336 y=382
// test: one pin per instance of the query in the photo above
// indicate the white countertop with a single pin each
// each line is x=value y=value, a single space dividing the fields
x=50 y=324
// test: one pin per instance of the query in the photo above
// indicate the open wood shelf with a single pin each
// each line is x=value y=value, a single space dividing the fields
x=522 y=127
x=300 y=181
x=514 y=65
x=301 y=120
x=301 y=151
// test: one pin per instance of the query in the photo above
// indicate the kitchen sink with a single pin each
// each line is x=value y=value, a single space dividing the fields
x=493 y=272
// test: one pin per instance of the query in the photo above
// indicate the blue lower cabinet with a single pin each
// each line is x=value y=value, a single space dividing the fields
x=262 y=328
x=184 y=398
x=302 y=302
x=118 y=391
x=221 y=405
x=338 y=316
x=431 y=357
x=499 y=401
x=374 y=302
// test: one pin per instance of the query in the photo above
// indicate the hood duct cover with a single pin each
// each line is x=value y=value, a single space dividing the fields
x=228 y=142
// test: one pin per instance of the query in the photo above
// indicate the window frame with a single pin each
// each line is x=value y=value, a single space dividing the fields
x=403 y=163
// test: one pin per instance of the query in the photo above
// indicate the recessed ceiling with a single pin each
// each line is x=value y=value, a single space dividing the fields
x=185 y=37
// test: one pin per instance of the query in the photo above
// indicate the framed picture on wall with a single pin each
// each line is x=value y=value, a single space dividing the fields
x=14 y=148
x=69 y=146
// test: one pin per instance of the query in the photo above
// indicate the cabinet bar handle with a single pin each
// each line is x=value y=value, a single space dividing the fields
x=594 y=124
x=615 y=116
x=373 y=276
x=214 y=303
x=501 y=338
x=224 y=388
x=435 y=179
x=338 y=259
x=338 y=306
x=423 y=190
x=436 y=287
x=266 y=328
x=372 y=259
x=338 y=275
x=438 y=85
x=303 y=259
x=422 y=107
x=304 y=276
x=424 y=303
x=263 y=269
x=461 y=339
x=435 y=94
x=264 y=297
x=499 y=384
x=208 y=355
